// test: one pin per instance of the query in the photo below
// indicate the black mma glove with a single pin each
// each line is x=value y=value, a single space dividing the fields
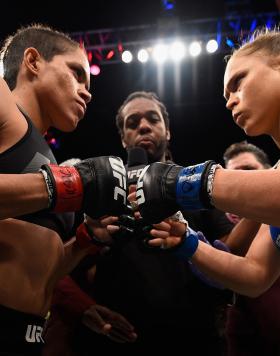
x=162 y=189
x=97 y=186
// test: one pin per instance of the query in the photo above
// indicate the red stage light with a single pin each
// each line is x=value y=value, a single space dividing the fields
x=89 y=54
x=120 y=46
x=110 y=54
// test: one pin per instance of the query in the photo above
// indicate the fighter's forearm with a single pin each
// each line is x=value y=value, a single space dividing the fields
x=233 y=272
x=22 y=194
x=84 y=243
x=251 y=194
x=73 y=254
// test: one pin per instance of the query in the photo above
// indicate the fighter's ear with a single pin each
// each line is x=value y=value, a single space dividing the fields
x=31 y=60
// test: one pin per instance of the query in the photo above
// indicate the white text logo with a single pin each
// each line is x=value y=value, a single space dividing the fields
x=34 y=333
x=134 y=173
x=119 y=172
x=139 y=190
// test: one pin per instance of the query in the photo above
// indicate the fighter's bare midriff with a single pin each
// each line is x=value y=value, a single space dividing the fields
x=29 y=258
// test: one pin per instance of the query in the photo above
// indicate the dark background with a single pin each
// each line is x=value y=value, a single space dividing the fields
x=201 y=127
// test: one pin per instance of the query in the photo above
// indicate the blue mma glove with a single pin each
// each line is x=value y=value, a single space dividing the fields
x=191 y=186
x=275 y=235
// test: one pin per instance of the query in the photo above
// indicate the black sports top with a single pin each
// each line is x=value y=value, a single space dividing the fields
x=27 y=156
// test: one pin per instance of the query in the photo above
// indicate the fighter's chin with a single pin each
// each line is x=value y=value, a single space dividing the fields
x=70 y=124
x=248 y=125
x=251 y=130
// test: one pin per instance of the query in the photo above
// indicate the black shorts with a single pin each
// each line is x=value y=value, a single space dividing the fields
x=20 y=333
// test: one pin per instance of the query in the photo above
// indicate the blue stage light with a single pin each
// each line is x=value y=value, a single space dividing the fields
x=168 y=5
x=229 y=42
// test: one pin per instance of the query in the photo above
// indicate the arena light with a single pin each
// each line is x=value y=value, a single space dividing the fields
x=211 y=46
x=229 y=43
x=143 y=55
x=52 y=140
x=168 y=5
x=120 y=47
x=228 y=30
x=253 y=25
x=270 y=23
x=127 y=56
x=160 y=53
x=94 y=69
x=89 y=54
x=110 y=54
x=177 y=51
x=195 y=49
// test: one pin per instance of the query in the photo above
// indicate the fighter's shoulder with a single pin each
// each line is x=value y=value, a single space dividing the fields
x=13 y=125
